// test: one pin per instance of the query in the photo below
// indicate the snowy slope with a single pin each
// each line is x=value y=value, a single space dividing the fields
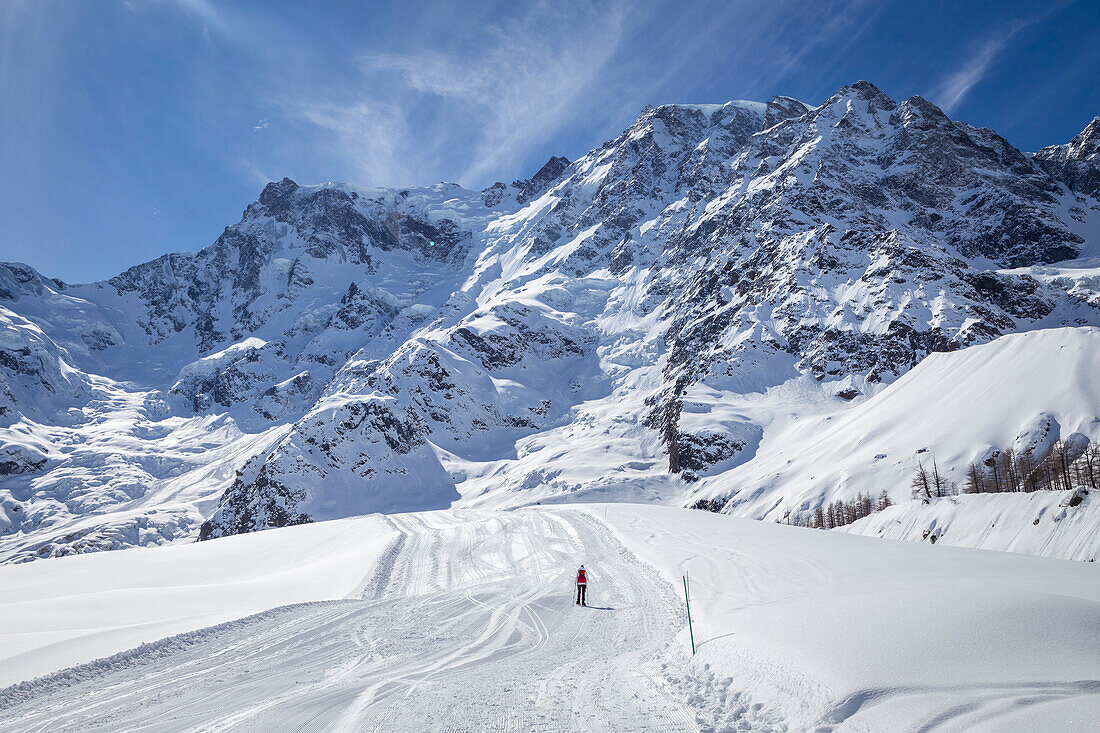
x=798 y=629
x=1039 y=523
x=71 y=612
x=466 y=622
x=954 y=407
x=465 y=619
x=612 y=328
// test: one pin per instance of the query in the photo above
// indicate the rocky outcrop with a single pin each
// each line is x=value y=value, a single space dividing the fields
x=541 y=182
x=1077 y=163
x=523 y=190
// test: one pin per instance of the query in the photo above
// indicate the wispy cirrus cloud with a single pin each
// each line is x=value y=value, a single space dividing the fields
x=951 y=91
x=477 y=93
x=474 y=102
x=474 y=97
x=954 y=87
x=403 y=94
x=373 y=138
x=839 y=28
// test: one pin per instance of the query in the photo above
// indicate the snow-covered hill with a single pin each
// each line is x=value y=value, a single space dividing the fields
x=1047 y=523
x=633 y=325
x=464 y=619
x=1022 y=391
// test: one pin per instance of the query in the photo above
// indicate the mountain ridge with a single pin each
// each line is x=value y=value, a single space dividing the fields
x=353 y=349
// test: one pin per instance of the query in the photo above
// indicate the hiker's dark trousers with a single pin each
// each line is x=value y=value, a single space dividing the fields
x=581 y=588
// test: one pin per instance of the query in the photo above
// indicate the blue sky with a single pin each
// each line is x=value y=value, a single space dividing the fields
x=130 y=128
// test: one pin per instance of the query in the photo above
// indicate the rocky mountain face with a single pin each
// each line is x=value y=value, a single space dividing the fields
x=1077 y=163
x=625 y=326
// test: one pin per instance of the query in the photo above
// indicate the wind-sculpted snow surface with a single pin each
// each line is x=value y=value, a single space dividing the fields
x=616 y=327
x=465 y=620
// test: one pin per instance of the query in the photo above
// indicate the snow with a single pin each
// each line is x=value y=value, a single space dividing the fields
x=699 y=283
x=758 y=108
x=803 y=628
x=211 y=364
x=128 y=476
x=79 y=608
x=1038 y=523
x=1016 y=391
x=1080 y=278
x=465 y=618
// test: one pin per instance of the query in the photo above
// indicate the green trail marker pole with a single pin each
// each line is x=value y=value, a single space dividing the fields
x=687 y=600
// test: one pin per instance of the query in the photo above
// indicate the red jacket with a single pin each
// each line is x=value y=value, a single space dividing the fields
x=581 y=579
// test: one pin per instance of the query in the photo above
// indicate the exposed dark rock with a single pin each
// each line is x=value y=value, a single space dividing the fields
x=1077 y=164
x=539 y=183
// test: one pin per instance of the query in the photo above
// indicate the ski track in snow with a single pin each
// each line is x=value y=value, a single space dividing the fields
x=466 y=623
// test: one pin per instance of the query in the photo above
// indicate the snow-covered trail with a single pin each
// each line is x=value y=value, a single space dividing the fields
x=463 y=620
x=467 y=623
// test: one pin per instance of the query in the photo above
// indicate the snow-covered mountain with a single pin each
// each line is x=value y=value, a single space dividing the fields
x=1077 y=163
x=644 y=323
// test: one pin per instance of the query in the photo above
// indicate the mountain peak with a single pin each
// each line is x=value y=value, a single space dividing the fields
x=539 y=183
x=866 y=91
x=1086 y=144
x=1076 y=163
x=918 y=112
x=273 y=190
x=552 y=168
x=783 y=108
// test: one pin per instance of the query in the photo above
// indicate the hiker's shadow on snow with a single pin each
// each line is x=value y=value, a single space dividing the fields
x=602 y=608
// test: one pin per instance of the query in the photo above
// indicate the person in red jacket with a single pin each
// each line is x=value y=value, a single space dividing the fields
x=582 y=586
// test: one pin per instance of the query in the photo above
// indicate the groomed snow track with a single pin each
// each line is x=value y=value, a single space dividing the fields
x=466 y=624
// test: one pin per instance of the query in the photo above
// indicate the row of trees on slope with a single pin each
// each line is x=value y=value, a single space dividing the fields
x=841 y=512
x=828 y=516
x=1065 y=467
